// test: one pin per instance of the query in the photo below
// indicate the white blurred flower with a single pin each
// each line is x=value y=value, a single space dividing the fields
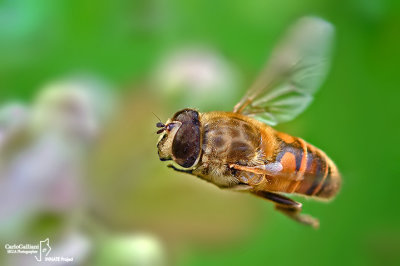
x=13 y=118
x=138 y=250
x=198 y=76
x=44 y=176
x=44 y=173
x=73 y=107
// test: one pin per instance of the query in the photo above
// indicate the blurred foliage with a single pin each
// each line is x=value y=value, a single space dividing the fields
x=354 y=116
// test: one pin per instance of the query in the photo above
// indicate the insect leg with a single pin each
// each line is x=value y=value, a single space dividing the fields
x=180 y=170
x=250 y=169
x=239 y=188
x=288 y=207
x=270 y=169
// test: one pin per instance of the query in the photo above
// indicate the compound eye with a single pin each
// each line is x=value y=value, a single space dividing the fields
x=186 y=145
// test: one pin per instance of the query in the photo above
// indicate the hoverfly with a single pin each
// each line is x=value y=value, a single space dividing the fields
x=240 y=151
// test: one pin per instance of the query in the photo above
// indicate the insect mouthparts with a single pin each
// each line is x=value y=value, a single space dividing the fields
x=160 y=130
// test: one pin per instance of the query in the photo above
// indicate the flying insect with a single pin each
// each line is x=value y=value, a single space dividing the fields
x=241 y=151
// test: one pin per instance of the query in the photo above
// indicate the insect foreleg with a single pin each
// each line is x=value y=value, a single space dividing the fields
x=270 y=169
x=240 y=188
x=180 y=170
x=254 y=170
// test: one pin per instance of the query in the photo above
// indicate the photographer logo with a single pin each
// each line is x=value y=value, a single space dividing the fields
x=40 y=251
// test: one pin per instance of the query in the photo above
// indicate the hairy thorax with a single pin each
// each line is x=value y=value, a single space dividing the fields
x=228 y=139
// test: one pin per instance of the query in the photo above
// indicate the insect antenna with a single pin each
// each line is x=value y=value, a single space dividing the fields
x=156 y=116
x=159 y=124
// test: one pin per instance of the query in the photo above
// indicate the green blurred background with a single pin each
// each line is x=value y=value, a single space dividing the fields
x=353 y=118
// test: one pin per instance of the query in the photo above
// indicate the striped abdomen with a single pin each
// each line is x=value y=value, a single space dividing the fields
x=311 y=172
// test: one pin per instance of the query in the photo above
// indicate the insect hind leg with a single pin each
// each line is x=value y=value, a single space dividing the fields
x=288 y=207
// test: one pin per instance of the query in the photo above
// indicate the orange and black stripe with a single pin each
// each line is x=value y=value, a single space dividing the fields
x=293 y=157
x=317 y=169
x=293 y=148
x=321 y=178
x=314 y=174
x=331 y=184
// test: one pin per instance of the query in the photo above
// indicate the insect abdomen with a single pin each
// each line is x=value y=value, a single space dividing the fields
x=312 y=172
x=321 y=177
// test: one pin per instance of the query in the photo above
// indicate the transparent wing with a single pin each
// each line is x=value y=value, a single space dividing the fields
x=293 y=74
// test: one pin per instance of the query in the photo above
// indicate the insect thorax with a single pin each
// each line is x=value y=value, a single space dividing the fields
x=228 y=139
